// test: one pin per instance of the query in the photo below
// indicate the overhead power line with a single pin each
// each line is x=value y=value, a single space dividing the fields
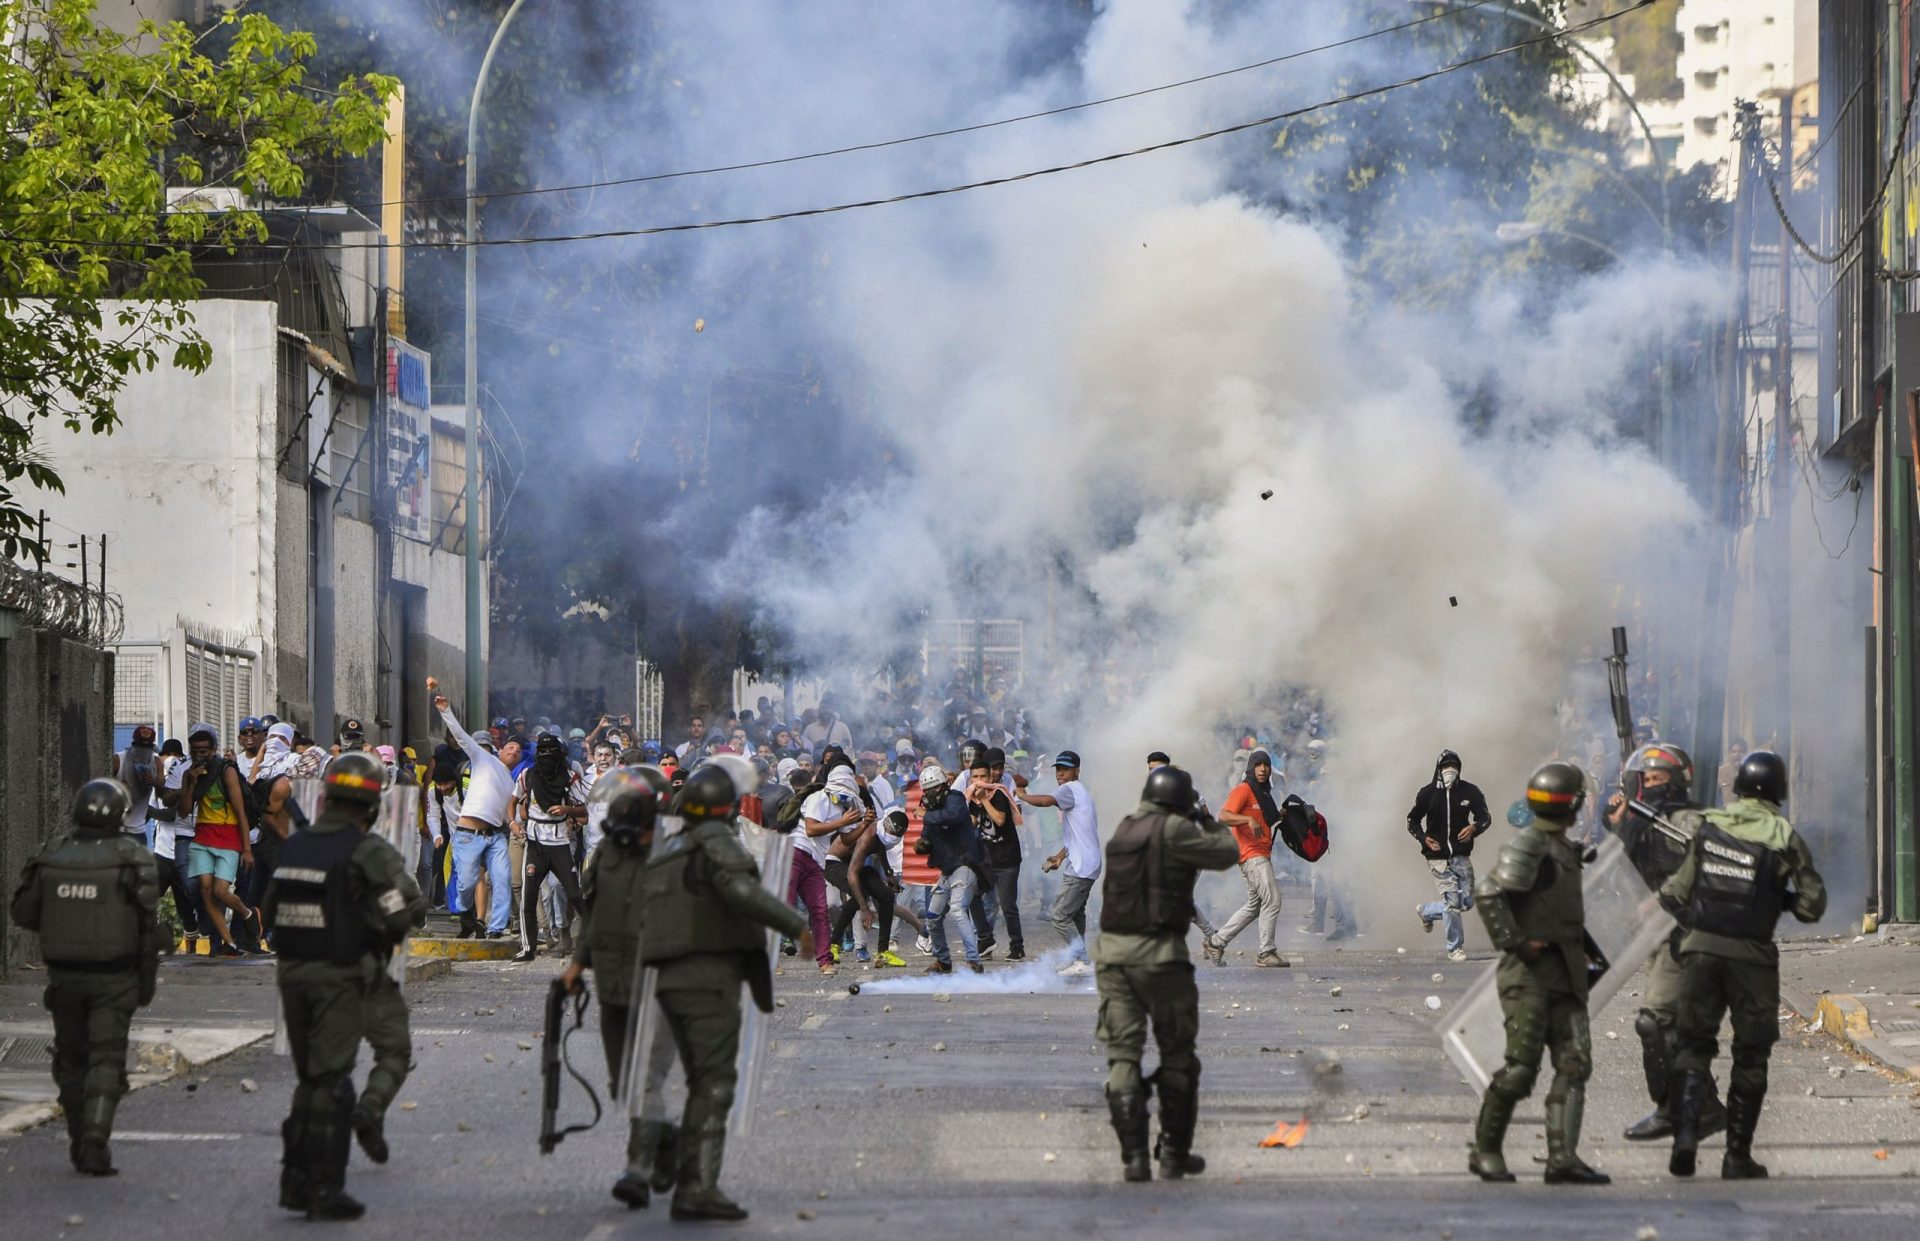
x=942 y=191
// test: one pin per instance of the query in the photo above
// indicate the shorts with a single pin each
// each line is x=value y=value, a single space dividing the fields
x=205 y=860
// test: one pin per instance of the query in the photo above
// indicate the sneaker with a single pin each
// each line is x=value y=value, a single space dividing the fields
x=829 y=970
x=986 y=954
x=1271 y=960
x=1213 y=950
x=835 y=950
x=924 y=945
x=889 y=960
x=940 y=967
x=224 y=949
x=1426 y=923
x=788 y=947
x=1458 y=954
x=525 y=954
x=976 y=967
x=1017 y=954
x=862 y=955
x=1077 y=969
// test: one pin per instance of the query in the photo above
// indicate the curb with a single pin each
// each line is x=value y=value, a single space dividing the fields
x=1851 y=1022
x=464 y=949
x=156 y=1056
x=427 y=969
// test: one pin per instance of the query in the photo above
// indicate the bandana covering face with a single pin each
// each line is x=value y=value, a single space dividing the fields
x=550 y=779
x=277 y=757
x=1263 y=789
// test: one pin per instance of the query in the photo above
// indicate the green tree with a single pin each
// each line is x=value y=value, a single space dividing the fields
x=97 y=273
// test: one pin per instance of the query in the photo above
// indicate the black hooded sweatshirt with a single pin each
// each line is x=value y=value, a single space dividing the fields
x=1442 y=813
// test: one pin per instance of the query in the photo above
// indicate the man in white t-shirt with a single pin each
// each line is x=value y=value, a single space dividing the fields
x=833 y=809
x=1080 y=853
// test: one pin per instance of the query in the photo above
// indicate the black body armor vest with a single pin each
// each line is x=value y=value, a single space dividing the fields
x=317 y=918
x=1737 y=892
x=1145 y=892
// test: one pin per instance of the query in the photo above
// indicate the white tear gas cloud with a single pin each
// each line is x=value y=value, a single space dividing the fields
x=1102 y=373
x=1087 y=381
x=1037 y=976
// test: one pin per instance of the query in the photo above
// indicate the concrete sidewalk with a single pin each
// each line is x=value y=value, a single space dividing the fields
x=1863 y=990
x=205 y=1009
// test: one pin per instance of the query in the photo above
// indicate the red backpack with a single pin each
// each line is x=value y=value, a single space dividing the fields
x=1304 y=829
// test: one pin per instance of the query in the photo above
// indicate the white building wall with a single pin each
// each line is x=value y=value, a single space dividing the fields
x=184 y=489
x=356 y=641
x=1734 y=50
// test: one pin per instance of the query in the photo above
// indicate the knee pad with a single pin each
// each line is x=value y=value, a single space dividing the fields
x=1513 y=1084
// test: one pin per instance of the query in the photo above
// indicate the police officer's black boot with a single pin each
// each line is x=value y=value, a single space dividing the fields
x=72 y=1112
x=96 y=1125
x=1713 y=1113
x=1656 y=1060
x=1129 y=1113
x=1179 y=1112
x=329 y=1143
x=1743 y=1117
x=1489 y=1135
x=1689 y=1095
x=643 y=1148
x=295 y=1186
x=370 y=1128
x=703 y=1145
x=666 y=1160
x=1564 y=1165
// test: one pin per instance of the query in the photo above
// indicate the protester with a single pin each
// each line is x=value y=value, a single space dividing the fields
x=1252 y=814
x=1080 y=854
x=1447 y=814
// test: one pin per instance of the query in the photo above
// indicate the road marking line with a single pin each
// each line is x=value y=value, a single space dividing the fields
x=814 y=1022
x=123 y=1135
x=600 y=1233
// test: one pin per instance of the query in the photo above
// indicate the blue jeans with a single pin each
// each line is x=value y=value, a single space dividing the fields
x=471 y=852
x=1453 y=877
x=954 y=891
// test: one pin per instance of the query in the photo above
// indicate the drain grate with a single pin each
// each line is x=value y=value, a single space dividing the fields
x=23 y=1053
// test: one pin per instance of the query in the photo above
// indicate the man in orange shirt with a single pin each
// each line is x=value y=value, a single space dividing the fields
x=1251 y=812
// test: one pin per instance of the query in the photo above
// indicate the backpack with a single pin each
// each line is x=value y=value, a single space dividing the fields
x=1304 y=829
x=788 y=816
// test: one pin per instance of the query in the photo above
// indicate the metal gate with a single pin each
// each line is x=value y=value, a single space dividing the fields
x=187 y=679
x=649 y=693
x=981 y=647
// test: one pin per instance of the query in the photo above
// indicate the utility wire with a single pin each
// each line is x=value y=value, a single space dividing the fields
x=943 y=191
x=1446 y=14
x=1870 y=211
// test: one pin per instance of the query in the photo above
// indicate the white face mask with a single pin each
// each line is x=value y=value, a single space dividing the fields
x=1448 y=775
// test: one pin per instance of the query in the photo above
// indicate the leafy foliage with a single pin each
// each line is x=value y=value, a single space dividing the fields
x=96 y=272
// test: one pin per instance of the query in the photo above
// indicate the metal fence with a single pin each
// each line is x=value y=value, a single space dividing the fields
x=649 y=694
x=217 y=683
x=60 y=606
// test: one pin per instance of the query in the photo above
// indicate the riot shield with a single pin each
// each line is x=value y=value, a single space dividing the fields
x=650 y=1053
x=776 y=869
x=1624 y=921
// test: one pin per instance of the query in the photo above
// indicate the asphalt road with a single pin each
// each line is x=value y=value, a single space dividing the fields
x=870 y=1131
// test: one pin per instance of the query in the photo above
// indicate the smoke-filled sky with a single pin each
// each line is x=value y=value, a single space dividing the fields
x=1101 y=372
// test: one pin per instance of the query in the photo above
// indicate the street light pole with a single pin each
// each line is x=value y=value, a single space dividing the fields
x=476 y=613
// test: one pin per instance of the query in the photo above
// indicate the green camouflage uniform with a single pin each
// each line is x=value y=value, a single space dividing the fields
x=1533 y=894
x=1146 y=979
x=706 y=935
x=92 y=999
x=388 y=1032
x=1735 y=975
x=325 y=1007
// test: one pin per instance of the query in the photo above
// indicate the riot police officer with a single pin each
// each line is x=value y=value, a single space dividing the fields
x=93 y=897
x=337 y=904
x=609 y=945
x=389 y=1032
x=1532 y=907
x=1659 y=776
x=1746 y=866
x=706 y=935
x=1143 y=973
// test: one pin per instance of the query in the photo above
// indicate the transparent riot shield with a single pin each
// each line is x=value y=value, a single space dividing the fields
x=399 y=826
x=1625 y=922
x=650 y=1052
x=775 y=854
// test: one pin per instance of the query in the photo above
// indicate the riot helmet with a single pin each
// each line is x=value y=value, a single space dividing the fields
x=1659 y=756
x=101 y=806
x=1762 y=774
x=632 y=805
x=1556 y=793
x=745 y=777
x=972 y=751
x=709 y=793
x=1169 y=787
x=355 y=776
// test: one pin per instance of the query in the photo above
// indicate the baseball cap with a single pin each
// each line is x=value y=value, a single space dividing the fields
x=250 y=725
x=351 y=728
x=500 y=722
x=143 y=734
x=578 y=734
x=1066 y=758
